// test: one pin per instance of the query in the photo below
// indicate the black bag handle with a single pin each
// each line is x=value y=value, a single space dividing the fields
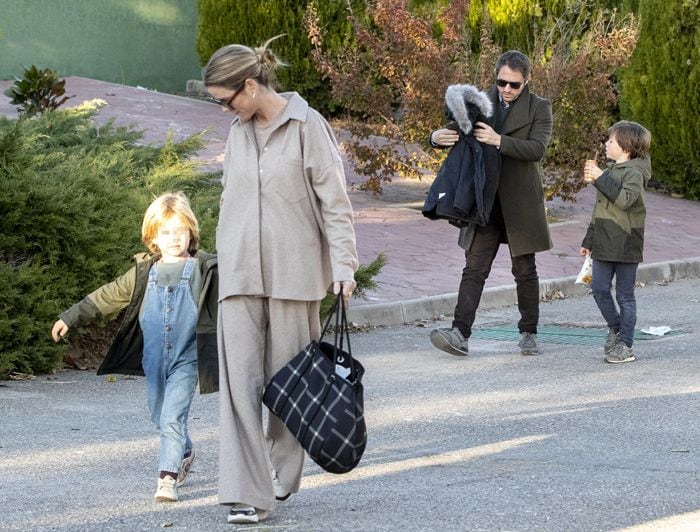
x=342 y=333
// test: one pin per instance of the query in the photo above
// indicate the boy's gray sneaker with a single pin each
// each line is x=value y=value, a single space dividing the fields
x=528 y=344
x=610 y=341
x=450 y=340
x=620 y=353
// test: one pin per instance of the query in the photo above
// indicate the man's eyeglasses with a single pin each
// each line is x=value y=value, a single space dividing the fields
x=515 y=85
x=228 y=101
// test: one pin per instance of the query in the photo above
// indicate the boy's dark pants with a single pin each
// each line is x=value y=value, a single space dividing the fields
x=625 y=274
x=478 y=266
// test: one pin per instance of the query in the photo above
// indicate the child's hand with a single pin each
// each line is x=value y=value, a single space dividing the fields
x=60 y=329
x=584 y=252
x=591 y=172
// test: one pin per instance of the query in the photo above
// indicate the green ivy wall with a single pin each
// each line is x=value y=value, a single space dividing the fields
x=134 y=42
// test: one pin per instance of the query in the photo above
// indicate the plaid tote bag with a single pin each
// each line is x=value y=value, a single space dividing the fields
x=319 y=397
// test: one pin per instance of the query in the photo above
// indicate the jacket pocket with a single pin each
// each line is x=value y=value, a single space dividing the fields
x=288 y=181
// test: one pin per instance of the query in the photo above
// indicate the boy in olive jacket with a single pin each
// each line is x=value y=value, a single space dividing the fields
x=615 y=236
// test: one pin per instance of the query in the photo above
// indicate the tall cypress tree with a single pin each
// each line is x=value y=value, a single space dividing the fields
x=660 y=90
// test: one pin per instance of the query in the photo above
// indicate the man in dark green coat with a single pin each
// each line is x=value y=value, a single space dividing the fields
x=521 y=130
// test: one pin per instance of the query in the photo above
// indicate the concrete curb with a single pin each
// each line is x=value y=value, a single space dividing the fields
x=400 y=312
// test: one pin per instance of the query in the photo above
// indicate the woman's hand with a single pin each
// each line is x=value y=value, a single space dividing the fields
x=444 y=137
x=584 y=252
x=59 y=330
x=485 y=133
x=348 y=288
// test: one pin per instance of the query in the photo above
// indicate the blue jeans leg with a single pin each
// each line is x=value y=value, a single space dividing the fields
x=623 y=320
x=174 y=438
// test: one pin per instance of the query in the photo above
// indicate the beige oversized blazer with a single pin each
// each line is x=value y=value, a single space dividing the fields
x=285 y=225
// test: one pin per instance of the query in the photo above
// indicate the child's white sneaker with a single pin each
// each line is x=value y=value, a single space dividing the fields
x=167 y=489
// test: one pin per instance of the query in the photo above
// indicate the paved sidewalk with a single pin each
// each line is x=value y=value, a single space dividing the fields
x=424 y=261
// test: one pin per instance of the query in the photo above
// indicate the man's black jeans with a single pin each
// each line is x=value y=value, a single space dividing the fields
x=478 y=266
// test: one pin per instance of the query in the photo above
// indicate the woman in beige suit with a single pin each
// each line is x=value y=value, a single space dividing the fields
x=285 y=237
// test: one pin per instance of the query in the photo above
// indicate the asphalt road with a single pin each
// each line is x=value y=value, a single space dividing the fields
x=493 y=441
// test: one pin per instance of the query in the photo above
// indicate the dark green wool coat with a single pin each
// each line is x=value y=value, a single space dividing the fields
x=525 y=135
x=616 y=231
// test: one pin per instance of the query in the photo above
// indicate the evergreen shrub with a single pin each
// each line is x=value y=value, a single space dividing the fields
x=660 y=90
x=72 y=197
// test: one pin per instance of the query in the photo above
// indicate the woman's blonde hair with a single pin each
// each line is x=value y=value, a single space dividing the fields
x=164 y=208
x=232 y=64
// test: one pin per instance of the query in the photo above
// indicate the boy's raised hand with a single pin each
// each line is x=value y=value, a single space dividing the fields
x=59 y=330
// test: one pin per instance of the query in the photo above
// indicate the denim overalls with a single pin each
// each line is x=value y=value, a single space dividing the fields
x=168 y=321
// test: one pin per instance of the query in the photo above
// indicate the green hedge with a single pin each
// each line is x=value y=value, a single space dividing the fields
x=660 y=90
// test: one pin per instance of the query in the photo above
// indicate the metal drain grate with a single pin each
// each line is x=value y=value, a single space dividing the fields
x=559 y=334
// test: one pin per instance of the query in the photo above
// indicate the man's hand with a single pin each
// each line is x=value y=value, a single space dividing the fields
x=485 y=133
x=444 y=137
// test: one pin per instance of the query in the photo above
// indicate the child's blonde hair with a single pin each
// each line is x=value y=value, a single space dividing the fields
x=163 y=209
x=632 y=137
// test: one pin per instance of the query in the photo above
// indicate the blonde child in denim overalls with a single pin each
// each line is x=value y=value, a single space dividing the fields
x=164 y=294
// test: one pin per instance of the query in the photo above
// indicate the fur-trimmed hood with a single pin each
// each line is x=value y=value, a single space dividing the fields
x=465 y=104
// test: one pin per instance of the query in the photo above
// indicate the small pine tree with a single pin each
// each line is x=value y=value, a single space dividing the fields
x=660 y=90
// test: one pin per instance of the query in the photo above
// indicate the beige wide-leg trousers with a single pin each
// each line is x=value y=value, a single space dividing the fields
x=257 y=336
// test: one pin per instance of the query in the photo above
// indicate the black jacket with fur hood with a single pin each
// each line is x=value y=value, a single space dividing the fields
x=465 y=188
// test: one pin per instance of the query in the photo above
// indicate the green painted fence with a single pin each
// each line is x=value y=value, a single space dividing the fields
x=134 y=42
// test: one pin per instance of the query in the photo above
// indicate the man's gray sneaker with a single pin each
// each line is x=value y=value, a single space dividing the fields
x=610 y=341
x=528 y=344
x=451 y=340
x=620 y=353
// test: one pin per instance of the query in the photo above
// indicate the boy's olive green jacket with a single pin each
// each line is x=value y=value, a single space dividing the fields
x=126 y=352
x=616 y=231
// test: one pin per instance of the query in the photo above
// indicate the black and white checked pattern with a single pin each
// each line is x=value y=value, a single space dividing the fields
x=323 y=410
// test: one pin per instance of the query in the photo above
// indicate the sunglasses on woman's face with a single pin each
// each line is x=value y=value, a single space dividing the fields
x=227 y=102
x=515 y=85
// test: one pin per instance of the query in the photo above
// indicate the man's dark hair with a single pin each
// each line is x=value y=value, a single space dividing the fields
x=514 y=60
